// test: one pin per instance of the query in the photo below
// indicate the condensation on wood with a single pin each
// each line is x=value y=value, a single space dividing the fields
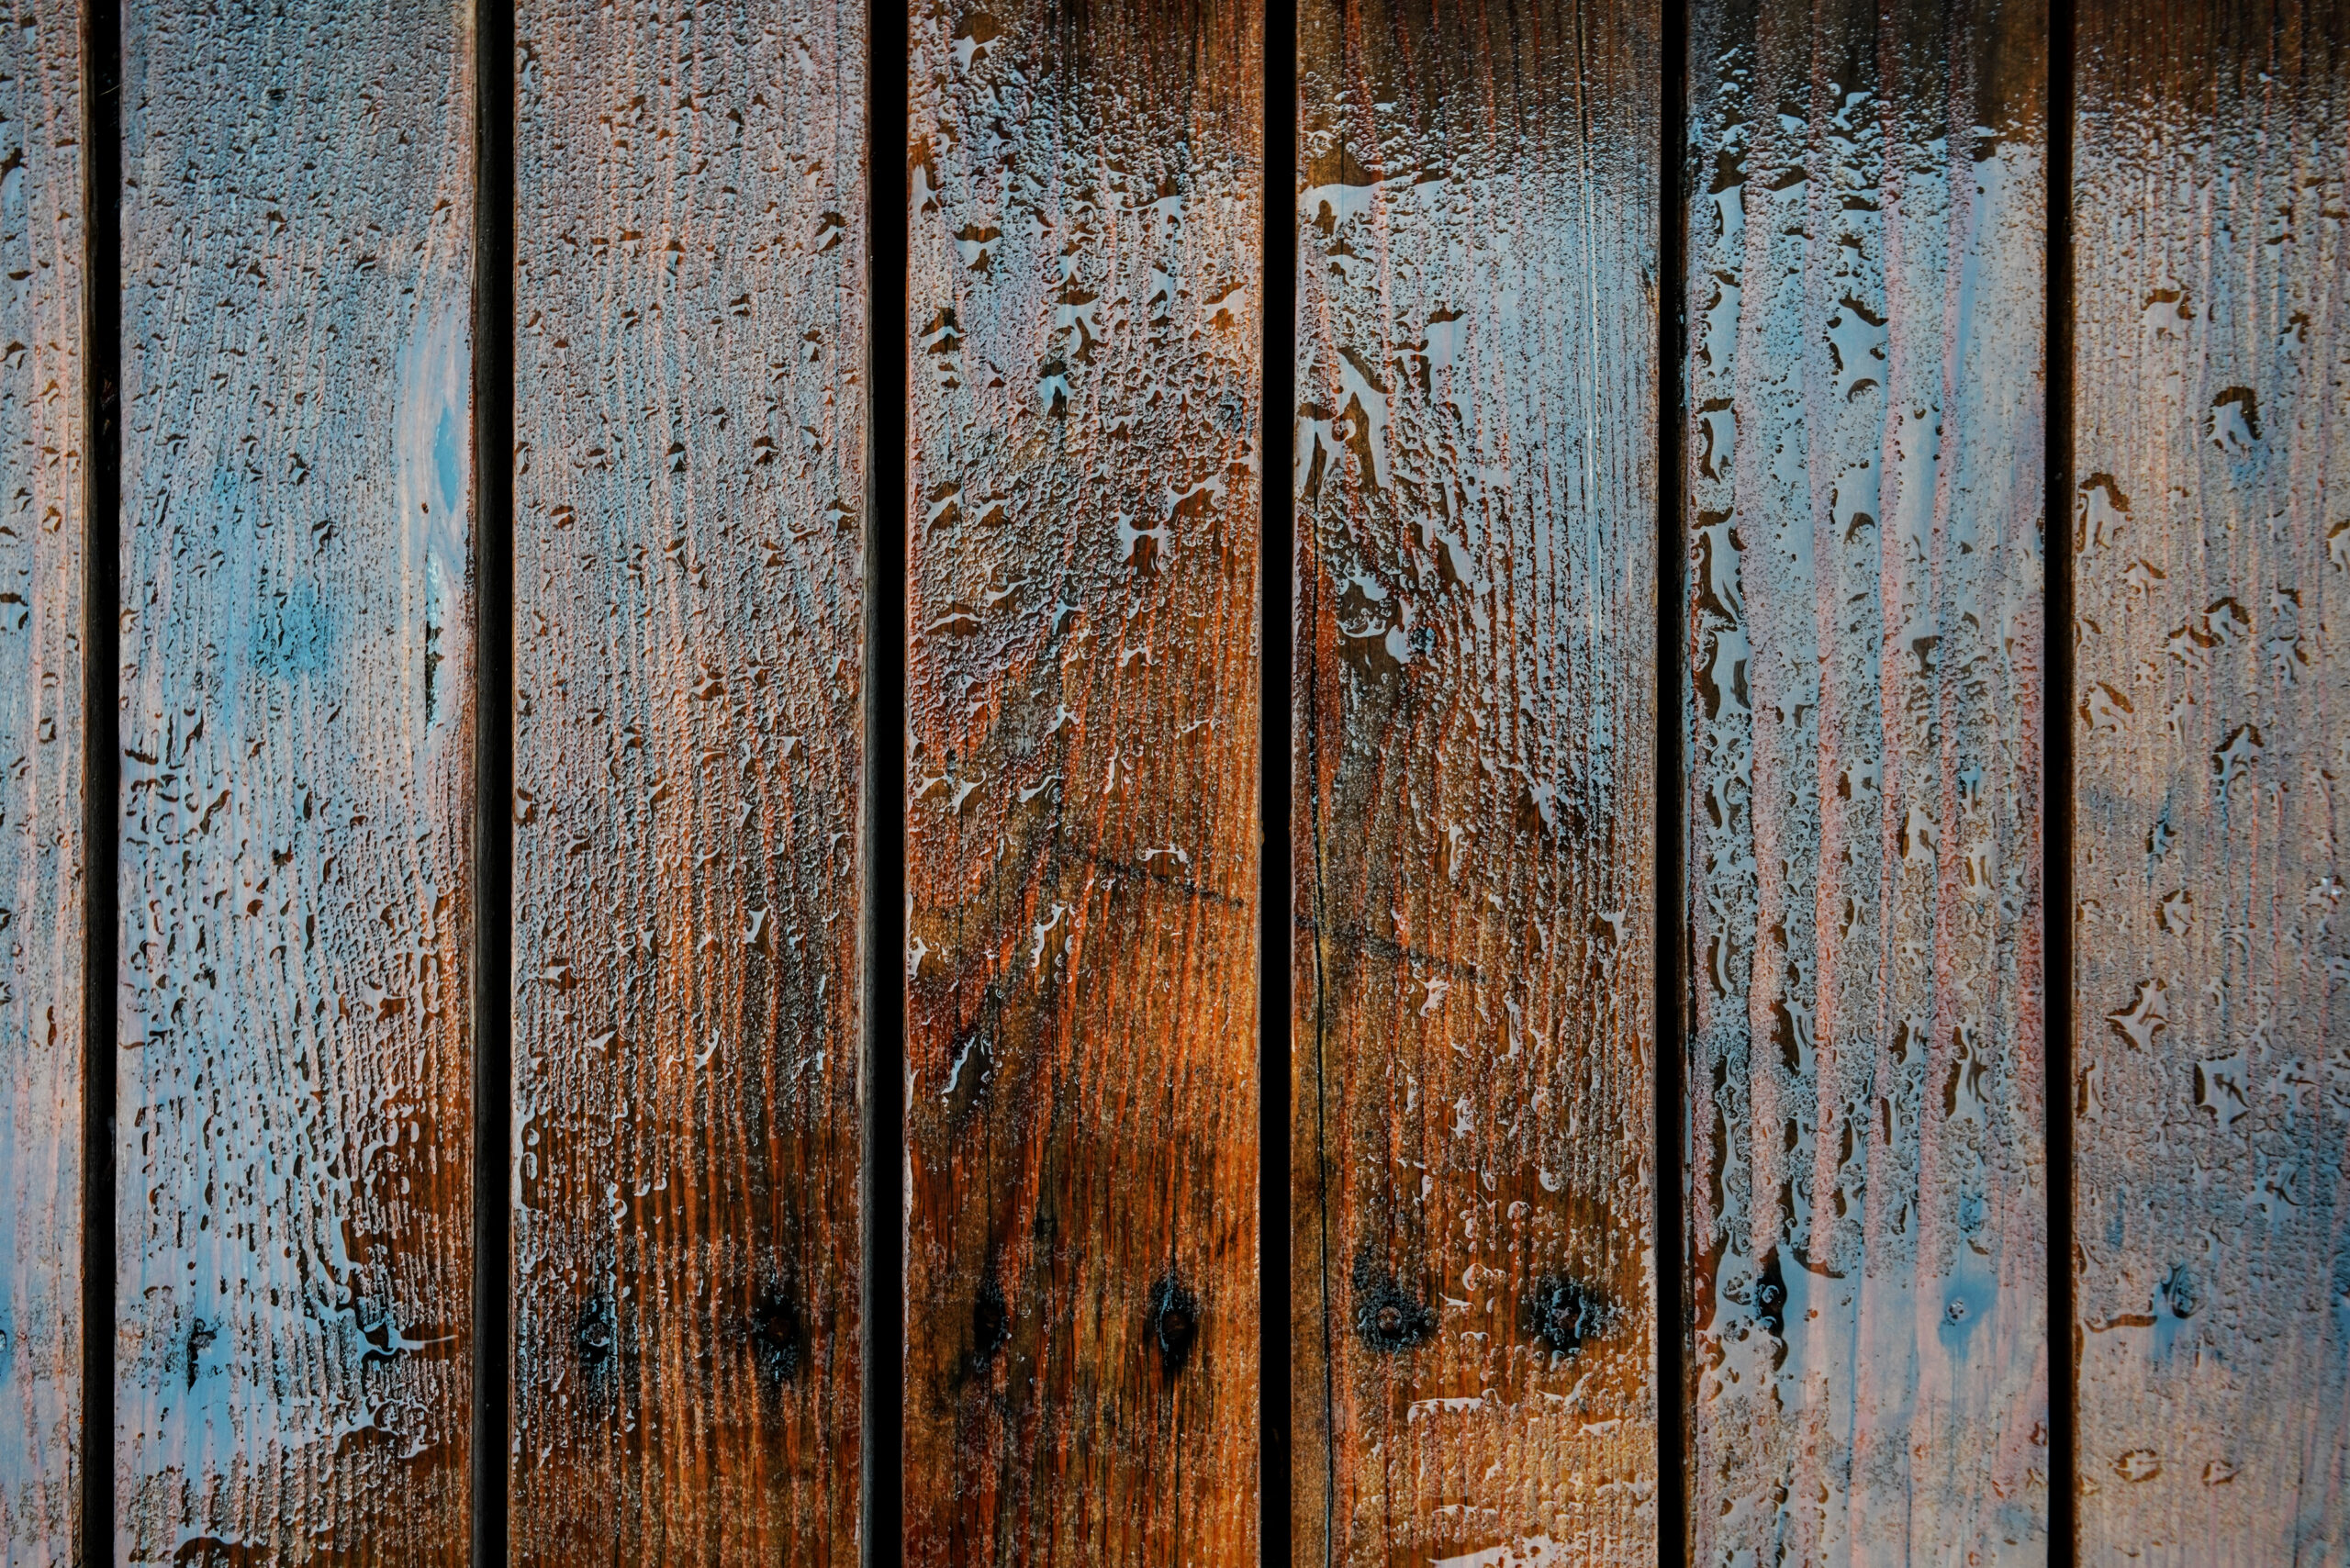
x=43 y=397
x=1867 y=1183
x=294 y=1223
x=2211 y=534
x=1082 y=834
x=1472 y=1176
x=691 y=326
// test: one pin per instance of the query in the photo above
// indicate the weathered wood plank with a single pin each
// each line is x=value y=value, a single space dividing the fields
x=43 y=397
x=1475 y=680
x=294 y=1226
x=2211 y=507
x=1082 y=836
x=1867 y=1183
x=690 y=317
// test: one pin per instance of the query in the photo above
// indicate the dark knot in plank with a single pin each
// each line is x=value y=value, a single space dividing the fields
x=1174 y=1322
x=1389 y=1319
x=1561 y=1312
x=991 y=1324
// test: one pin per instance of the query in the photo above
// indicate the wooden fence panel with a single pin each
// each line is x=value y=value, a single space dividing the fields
x=1867 y=1180
x=1082 y=833
x=691 y=320
x=2211 y=533
x=293 y=1246
x=1475 y=1317
x=43 y=397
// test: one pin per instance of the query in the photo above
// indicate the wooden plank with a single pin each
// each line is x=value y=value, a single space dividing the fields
x=689 y=472
x=295 y=1110
x=1867 y=1177
x=43 y=401
x=2212 y=537
x=1083 y=834
x=1475 y=693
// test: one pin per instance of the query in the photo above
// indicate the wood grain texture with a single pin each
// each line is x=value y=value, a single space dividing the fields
x=2211 y=533
x=1081 y=831
x=1473 y=1166
x=43 y=401
x=1867 y=1179
x=293 y=1225
x=689 y=476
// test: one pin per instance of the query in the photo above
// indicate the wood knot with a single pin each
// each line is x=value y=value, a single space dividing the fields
x=1174 y=1322
x=779 y=1336
x=991 y=1324
x=1560 y=1312
x=1389 y=1319
x=596 y=1337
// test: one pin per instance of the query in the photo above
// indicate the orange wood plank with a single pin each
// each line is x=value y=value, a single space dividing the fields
x=295 y=1208
x=43 y=399
x=1082 y=836
x=1475 y=1318
x=1867 y=1176
x=689 y=476
x=2211 y=717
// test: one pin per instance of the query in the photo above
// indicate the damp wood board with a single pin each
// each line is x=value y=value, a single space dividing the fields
x=293 y=1227
x=2211 y=512
x=1081 y=834
x=1475 y=1321
x=1867 y=1184
x=44 y=396
x=689 y=380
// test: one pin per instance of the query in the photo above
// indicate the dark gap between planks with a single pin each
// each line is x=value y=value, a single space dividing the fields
x=493 y=772
x=1276 y=623
x=102 y=760
x=1670 y=921
x=2057 y=789
x=883 y=1211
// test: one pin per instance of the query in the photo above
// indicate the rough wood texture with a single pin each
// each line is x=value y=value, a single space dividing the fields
x=1082 y=836
x=1475 y=481
x=1867 y=1185
x=293 y=1232
x=689 y=471
x=2211 y=527
x=42 y=515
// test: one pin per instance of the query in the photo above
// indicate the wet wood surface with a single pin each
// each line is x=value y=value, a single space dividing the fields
x=2211 y=533
x=293 y=1222
x=1474 y=1319
x=689 y=474
x=1867 y=1184
x=43 y=404
x=1082 y=829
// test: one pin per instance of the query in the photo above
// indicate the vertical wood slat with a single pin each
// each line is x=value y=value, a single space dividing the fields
x=293 y=1113
x=1476 y=1320
x=690 y=472
x=43 y=399
x=2212 y=583
x=1866 y=219
x=1081 y=842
